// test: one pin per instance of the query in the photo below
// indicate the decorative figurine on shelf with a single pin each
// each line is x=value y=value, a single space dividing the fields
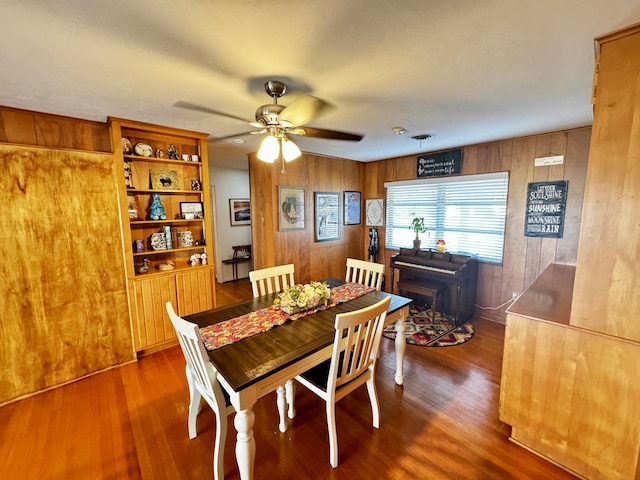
x=157 y=210
x=168 y=265
x=203 y=258
x=144 y=268
x=172 y=152
x=195 y=184
x=195 y=258
x=159 y=153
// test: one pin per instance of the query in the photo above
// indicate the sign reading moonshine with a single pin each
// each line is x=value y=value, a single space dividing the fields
x=546 y=204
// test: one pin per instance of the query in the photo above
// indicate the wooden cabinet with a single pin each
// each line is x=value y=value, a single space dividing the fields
x=607 y=289
x=569 y=394
x=569 y=384
x=166 y=221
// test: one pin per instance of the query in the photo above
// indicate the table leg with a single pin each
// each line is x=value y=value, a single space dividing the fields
x=245 y=443
x=290 y=388
x=401 y=346
x=282 y=407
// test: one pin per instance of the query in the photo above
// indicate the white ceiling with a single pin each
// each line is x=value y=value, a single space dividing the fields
x=467 y=71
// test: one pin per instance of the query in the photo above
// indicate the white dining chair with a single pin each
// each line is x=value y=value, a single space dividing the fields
x=203 y=383
x=366 y=273
x=273 y=280
x=352 y=364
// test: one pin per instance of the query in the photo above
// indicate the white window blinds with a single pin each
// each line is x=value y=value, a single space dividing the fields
x=468 y=212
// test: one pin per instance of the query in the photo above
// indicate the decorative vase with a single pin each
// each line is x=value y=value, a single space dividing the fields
x=416 y=243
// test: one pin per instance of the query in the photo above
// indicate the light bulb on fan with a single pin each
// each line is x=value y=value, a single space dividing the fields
x=269 y=149
x=290 y=150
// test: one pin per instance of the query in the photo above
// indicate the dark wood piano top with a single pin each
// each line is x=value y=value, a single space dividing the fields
x=430 y=258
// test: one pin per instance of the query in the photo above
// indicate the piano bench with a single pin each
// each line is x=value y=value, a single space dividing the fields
x=430 y=290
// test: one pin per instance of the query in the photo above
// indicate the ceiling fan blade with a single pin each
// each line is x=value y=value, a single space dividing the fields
x=303 y=110
x=329 y=134
x=200 y=108
x=218 y=139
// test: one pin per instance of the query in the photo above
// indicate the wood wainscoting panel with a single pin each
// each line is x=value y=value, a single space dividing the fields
x=571 y=395
x=148 y=312
x=195 y=290
x=62 y=283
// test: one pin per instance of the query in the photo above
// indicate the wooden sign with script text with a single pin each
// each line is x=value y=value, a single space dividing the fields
x=440 y=164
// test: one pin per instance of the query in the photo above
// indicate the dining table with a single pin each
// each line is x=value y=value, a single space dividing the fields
x=254 y=366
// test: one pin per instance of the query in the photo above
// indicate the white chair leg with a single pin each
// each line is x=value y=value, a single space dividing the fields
x=245 y=443
x=290 y=387
x=333 y=436
x=194 y=404
x=218 y=445
x=373 y=397
x=282 y=405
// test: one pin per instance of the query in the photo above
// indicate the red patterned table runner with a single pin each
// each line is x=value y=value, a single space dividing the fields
x=230 y=331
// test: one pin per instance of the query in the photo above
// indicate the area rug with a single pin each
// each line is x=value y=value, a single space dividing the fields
x=421 y=329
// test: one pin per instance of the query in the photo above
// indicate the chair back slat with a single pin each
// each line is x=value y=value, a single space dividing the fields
x=356 y=342
x=272 y=279
x=365 y=273
x=202 y=370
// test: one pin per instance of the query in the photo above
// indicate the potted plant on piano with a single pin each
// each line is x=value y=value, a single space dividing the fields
x=418 y=226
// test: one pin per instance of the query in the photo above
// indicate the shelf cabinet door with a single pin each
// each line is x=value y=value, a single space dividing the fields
x=195 y=290
x=150 y=321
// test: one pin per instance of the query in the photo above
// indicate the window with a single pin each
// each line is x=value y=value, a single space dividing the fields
x=468 y=212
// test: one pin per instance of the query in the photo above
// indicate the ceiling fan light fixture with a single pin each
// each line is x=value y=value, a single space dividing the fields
x=290 y=150
x=269 y=149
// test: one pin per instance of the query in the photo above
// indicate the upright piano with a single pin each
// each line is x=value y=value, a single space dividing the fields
x=456 y=274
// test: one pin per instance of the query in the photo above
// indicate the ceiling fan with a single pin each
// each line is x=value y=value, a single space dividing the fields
x=280 y=121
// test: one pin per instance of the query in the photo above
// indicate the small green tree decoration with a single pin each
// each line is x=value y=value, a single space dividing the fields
x=418 y=226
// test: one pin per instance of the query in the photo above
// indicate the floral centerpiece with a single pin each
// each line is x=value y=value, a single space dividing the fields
x=297 y=298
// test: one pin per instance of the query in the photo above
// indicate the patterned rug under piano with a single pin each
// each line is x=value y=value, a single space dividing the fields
x=421 y=329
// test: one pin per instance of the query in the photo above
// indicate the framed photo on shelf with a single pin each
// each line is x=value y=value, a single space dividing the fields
x=191 y=210
x=135 y=213
x=162 y=179
x=352 y=208
x=240 y=209
x=327 y=216
x=290 y=208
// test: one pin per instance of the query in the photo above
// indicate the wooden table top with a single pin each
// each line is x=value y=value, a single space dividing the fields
x=251 y=359
x=549 y=296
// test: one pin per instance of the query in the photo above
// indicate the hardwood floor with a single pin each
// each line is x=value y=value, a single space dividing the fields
x=131 y=422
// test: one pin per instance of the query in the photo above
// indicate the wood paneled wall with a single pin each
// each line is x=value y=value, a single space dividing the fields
x=63 y=295
x=524 y=257
x=22 y=127
x=312 y=260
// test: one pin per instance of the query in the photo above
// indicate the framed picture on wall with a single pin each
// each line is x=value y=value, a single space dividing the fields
x=352 y=208
x=374 y=212
x=290 y=208
x=327 y=216
x=240 y=210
